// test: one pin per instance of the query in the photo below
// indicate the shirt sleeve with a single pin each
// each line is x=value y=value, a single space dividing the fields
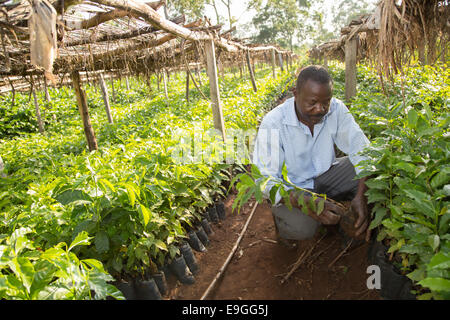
x=350 y=139
x=268 y=154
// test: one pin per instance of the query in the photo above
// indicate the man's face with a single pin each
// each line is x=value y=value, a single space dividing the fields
x=312 y=102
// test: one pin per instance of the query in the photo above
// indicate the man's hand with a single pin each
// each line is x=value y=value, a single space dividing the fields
x=359 y=206
x=330 y=215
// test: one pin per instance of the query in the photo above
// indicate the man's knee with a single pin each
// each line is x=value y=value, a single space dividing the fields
x=293 y=224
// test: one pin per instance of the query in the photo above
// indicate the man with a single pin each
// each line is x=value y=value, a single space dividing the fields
x=302 y=133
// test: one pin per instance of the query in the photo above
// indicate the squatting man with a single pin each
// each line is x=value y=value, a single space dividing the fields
x=302 y=133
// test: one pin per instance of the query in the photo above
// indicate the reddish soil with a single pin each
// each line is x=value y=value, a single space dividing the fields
x=260 y=263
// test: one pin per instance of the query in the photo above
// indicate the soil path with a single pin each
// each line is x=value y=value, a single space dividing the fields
x=260 y=263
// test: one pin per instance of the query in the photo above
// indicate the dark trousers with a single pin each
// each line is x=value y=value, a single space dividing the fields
x=337 y=183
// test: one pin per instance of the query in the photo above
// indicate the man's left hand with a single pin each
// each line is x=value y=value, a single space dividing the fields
x=359 y=206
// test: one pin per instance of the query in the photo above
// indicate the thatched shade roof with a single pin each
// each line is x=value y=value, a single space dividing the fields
x=393 y=31
x=112 y=35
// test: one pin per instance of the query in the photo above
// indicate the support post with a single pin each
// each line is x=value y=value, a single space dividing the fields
x=250 y=69
x=84 y=112
x=273 y=64
x=113 y=89
x=350 y=69
x=421 y=53
x=280 y=61
x=211 y=69
x=47 y=95
x=127 y=83
x=105 y=95
x=187 y=86
x=165 y=86
x=38 y=112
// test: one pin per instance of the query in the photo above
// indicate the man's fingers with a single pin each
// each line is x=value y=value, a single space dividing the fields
x=330 y=218
x=362 y=228
x=334 y=208
x=368 y=233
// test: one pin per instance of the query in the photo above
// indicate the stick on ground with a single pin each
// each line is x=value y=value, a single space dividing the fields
x=225 y=265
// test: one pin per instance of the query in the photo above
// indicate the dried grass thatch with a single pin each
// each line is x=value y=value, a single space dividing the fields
x=390 y=36
x=122 y=36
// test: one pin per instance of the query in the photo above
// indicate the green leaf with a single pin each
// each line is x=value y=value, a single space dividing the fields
x=273 y=192
x=377 y=184
x=412 y=118
x=101 y=242
x=408 y=167
x=441 y=178
x=320 y=206
x=160 y=245
x=145 y=213
x=439 y=261
x=434 y=241
x=24 y=270
x=380 y=213
x=70 y=196
x=417 y=275
x=82 y=239
x=375 y=196
x=284 y=173
x=436 y=284
x=105 y=183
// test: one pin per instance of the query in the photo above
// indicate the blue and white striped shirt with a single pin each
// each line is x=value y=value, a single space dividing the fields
x=283 y=138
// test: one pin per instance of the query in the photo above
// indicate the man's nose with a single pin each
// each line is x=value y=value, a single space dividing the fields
x=319 y=108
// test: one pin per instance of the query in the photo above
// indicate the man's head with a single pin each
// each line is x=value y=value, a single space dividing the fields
x=313 y=94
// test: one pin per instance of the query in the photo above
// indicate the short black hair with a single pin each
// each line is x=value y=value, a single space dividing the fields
x=316 y=73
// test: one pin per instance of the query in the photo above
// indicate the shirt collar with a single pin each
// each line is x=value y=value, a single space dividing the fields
x=290 y=117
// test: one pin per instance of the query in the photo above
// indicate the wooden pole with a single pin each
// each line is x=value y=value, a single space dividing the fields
x=47 y=95
x=158 y=80
x=250 y=69
x=105 y=95
x=187 y=86
x=273 y=64
x=280 y=61
x=165 y=86
x=211 y=69
x=350 y=69
x=38 y=112
x=84 y=112
x=113 y=89
x=421 y=52
x=127 y=83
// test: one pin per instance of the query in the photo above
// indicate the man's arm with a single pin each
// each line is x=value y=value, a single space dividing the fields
x=352 y=140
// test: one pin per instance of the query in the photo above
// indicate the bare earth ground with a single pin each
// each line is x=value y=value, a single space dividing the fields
x=260 y=263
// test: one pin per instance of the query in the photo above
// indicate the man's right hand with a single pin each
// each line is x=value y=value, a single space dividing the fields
x=330 y=215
